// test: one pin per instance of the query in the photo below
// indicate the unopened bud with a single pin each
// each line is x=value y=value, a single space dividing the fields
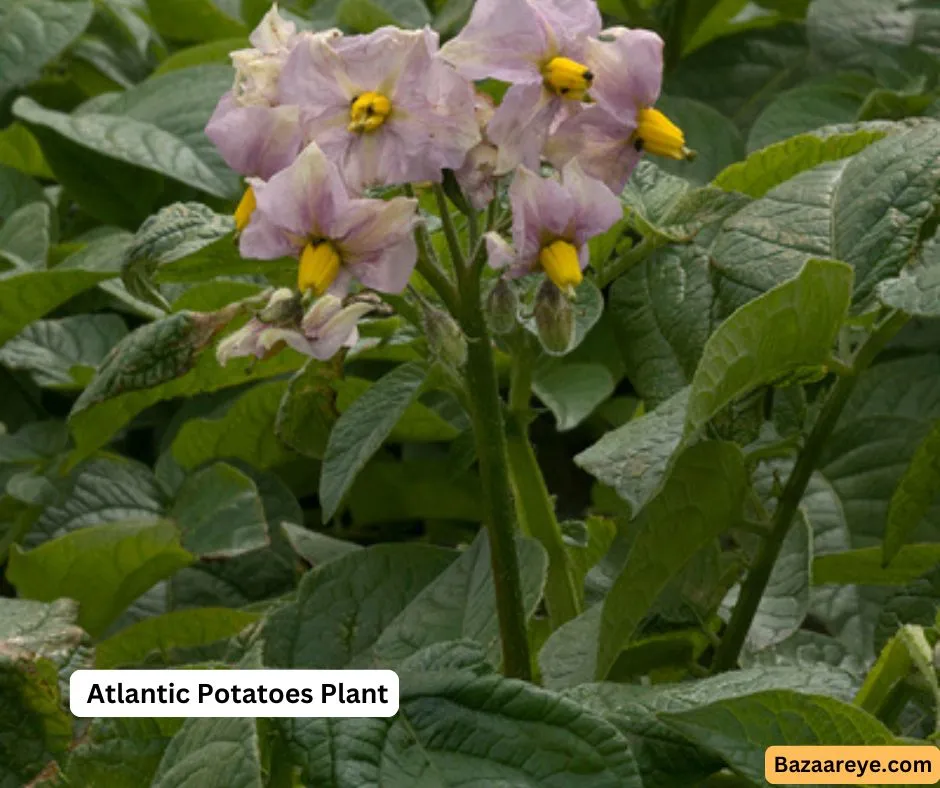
x=284 y=309
x=554 y=318
x=502 y=306
x=445 y=339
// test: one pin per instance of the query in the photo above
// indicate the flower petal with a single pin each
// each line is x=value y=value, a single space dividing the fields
x=273 y=32
x=306 y=198
x=628 y=71
x=571 y=21
x=598 y=208
x=521 y=124
x=339 y=331
x=601 y=144
x=314 y=78
x=503 y=39
x=256 y=141
x=499 y=253
x=262 y=239
x=376 y=241
x=541 y=209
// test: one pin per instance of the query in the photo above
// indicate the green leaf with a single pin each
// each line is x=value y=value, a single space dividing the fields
x=364 y=16
x=63 y=354
x=158 y=362
x=307 y=411
x=35 y=32
x=741 y=729
x=460 y=604
x=715 y=139
x=453 y=728
x=810 y=106
x=219 y=513
x=179 y=629
x=805 y=651
x=194 y=20
x=769 y=167
x=785 y=601
x=316 y=548
x=215 y=52
x=572 y=391
x=130 y=141
x=588 y=306
x=16 y=190
x=343 y=606
x=917 y=290
x=362 y=429
x=915 y=492
x=24 y=237
x=585 y=552
x=791 y=326
x=662 y=312
x=27 y=296
x=245 y=431
x=120 y=752
x=104 y=567
x=828 y=211
x=212 y=753
x=21 y=156
x=675 y=526
x=915 y=603
x=635 y=459
x=865 y=565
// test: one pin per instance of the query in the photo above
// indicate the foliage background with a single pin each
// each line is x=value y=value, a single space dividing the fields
x=179 y=505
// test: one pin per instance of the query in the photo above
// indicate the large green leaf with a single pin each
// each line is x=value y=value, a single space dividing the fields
x=634 y=459
x=741 y=729
x=572 y=391
x=662 y=312
x=157 y=362
x=214 y=753
x=865 y=566
x=829 y=211
x=194 y=20
x=769 y=167
x=791 y=326
x=16 y=190
x=245 y=431
x=362 y=429
x=24 y=237
x=104 y=567
x=307 y=411
x=453 y=729
x=701 y=498
x=917 y=290
x=180 y=629
x=460 y=604
x=343 y=606
x=130 y=141
x=35 y=32
x=219 y=513
x=63 y=354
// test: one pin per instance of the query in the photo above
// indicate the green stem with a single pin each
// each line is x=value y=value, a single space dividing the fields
x=752 y=590
x=486 y=412
x=450 y=232
x=536 y=513
x=625 y=262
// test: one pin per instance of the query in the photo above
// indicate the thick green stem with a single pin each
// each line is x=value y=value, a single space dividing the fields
x=486 y=412
x=752 y=590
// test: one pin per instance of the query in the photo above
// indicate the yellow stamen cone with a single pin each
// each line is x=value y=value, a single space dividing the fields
x=246 y=207
x=567 y=77
x=368 y=112
x=319 y=266
x=561 y=264
x=660 y=136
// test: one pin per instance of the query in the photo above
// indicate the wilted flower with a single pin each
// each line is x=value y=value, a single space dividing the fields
x=305 y=210
x=539 y=46
x=552 y=222
x=327 y=326
x=609 y=138
x=383 y=106
x=477 y=176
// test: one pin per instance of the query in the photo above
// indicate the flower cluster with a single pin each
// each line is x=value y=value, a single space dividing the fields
x=315 y=120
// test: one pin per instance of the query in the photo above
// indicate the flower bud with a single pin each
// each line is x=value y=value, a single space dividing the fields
x=554 y=318
x=502 y=306
x=445 y=339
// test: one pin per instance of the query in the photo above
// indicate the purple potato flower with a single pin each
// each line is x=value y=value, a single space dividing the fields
x=383 y=106
x=327 y=326
x=609 y=137
x=539 y=46
x=305 y=210
x=552 y=221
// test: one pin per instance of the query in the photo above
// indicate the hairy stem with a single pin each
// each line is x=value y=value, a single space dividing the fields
x=450 y=232
x=752 y=590
x=486 y=412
